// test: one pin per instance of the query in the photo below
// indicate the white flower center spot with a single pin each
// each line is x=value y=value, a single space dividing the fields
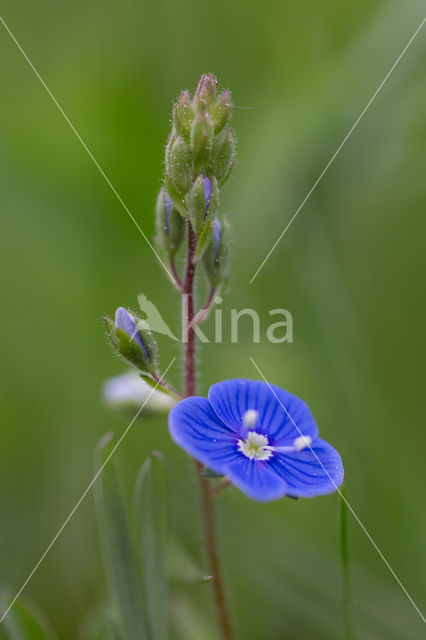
x=255 y=446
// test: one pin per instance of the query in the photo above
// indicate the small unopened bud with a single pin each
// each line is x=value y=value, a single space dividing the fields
x=217 y=257
x=202 y=132
x=170 y=225
x=202 y=202
x=179 y=164
x=205 y=93
x=221 y=112
x=183 y=115
x=132 y=340
x=222 y=157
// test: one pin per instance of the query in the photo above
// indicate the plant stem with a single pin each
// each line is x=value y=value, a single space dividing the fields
x=207 y=498
x=203 y=313
x=178 y=281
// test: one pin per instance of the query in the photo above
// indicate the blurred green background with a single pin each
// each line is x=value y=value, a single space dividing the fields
x=351 y=270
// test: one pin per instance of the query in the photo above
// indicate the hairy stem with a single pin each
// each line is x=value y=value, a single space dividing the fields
x=176 y=276
x=207 y=498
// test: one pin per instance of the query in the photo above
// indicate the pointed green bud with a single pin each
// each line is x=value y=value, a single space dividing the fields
x=132 y=339
x=216 y=259
x=179 y=164
x=202 y=202
x=170 y=225
x=202 y=132
x=205 y=93
x=222 y=156
x=221 y=112
x=183 y=115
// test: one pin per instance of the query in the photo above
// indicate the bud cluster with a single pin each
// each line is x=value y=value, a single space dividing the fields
x=200 y=156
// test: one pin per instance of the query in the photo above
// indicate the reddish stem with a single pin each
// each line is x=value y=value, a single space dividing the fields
x=175 y=273
x=207 y=498
x=204 y=311
x=188 y=313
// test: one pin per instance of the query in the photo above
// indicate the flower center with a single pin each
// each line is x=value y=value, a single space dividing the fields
x=255 y=446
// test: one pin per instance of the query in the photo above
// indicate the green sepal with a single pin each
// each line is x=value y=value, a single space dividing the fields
x=110 y=331
x=203 y=241
x=132 y=352
x=125 y=347
x=216 y=259
x=183 y=115
x=150 y=505
x=202 y=132
x=170 y=227
x=179 y=165
x=119 y=556
x=221 y=111
x=205 y=93
x=175 y=196
x=196 y=204
x=222 y=156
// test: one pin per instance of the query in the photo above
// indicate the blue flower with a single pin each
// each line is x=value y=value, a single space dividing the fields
x=263 y=438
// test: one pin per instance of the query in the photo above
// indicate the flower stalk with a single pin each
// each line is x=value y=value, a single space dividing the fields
x=206 y=492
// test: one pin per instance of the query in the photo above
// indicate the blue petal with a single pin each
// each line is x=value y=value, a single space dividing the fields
x=282 y=416
x=256 y=479
x=127 y=323
x=195 y=427
x=312 y=472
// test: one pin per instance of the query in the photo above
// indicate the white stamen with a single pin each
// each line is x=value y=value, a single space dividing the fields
x=255 y=446
x=250 y=418
x=302 y=442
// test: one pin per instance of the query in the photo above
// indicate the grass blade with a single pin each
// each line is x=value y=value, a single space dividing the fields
x=120 y=560
x=25 y=621
x=150 y=500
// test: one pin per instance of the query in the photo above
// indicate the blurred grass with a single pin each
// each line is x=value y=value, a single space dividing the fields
x=351 y=270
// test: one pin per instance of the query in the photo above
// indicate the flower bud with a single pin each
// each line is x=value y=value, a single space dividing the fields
x=202 y=132
x=221 y=112
x=222 y=158
x=202 y=202
x=132 y=340
x=170 y=225
x=205 y=93
x=183 y=115
x=179 y=164
x=216 y=259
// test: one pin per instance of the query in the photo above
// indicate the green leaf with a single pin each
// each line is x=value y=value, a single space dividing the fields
x=120 y=560
x=25 y=621
x=150 y=501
